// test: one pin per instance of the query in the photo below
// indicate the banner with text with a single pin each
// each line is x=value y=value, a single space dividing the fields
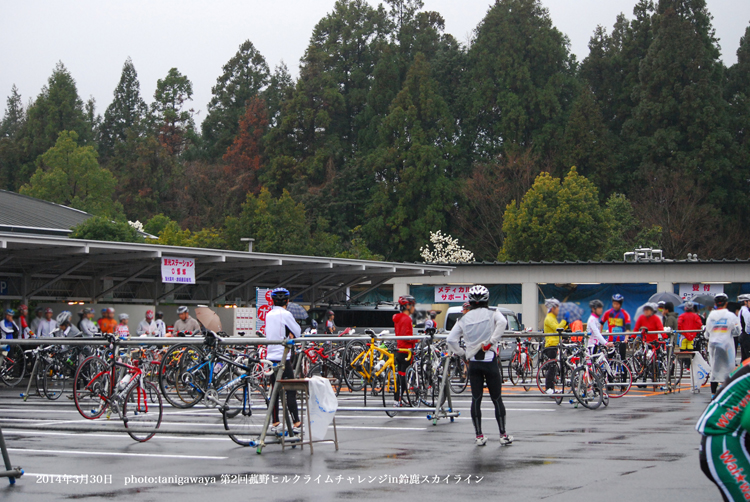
x=690 y=291
x=263 y=304
x=177 y=270
x=448 y=294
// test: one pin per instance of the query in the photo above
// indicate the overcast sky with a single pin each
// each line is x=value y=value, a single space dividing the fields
x=94 y=37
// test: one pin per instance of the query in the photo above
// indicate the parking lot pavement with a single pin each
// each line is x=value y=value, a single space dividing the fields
x=641 y=447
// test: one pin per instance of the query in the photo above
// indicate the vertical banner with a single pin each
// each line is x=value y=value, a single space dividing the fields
x=263 y=304
x=177 y=270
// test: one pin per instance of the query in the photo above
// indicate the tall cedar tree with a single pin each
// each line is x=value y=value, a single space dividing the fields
x=520 y=81
x=244 y=158
x=174 y=125
x=413 y=193
x=738 y=96
x=11 y=151
x=127 y=111
x=680 y=124
x=243 y=77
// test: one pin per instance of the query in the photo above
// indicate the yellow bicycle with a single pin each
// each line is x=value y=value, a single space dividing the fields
x=371 y=364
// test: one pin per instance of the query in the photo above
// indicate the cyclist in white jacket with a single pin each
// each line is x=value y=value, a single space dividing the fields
x=594 y=326
x=482 y=330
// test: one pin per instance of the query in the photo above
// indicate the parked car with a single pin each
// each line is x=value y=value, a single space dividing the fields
x=454 y=314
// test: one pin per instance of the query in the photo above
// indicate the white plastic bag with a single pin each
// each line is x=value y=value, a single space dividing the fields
x=700 y=368
x=323 y=406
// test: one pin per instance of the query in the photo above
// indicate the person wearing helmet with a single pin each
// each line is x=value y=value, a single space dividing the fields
x=551 y=342
x=745 y=325
x=465 y=307
x=65 y=325
x=594 y=326
x=617 y=320
x=185 y=323
x=34 y=327
x=482 y=329
x=23 y=315
x=147 y=326
x=108 y=324
x=403 y=326
x=689 y=320
x=47 y=326
x=649 y=321
x=280 y=325
x=721 y=327
x=88 y=326
x=660 y=310
x=161 y=328
x=9 y=330
x=122 y=330
x=430 y=323
x=330 y=324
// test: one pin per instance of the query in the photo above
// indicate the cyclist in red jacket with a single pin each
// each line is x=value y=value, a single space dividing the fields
x=403 y=327
x=687 y=321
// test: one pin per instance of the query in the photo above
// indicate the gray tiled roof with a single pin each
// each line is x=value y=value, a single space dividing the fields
x=18 y=210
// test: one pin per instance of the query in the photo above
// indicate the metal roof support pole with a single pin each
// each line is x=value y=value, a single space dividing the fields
x=342 y=287
x=374 y=286
x=25 y=286
x=241 y=285
x=5 y=260
x=61 y=276
x=125 y=281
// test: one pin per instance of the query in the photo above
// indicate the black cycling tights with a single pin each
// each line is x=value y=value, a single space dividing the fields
x=480 y=373
x=401 y=366
x=291 y=396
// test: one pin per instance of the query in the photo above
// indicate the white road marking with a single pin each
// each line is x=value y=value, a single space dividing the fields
x=114 y=454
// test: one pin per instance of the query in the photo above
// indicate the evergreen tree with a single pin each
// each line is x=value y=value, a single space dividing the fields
x=738 y=96
x=126 y=111
x=14 y=115
x=11 y=151
x=279 y=89
x=520 y=81
x=244 y=77
x=413 y=193
x=174 y=124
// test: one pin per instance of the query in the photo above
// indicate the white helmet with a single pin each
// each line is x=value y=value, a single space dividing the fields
x=743 y=298
x=651 y=305
x=551 y=303
x=124 y=316
x=479 y=294
x=63 y=317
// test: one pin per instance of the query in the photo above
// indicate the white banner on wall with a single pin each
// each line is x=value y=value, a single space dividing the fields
x=689 y=291
x=448 y=294
x=177 y=270
x=263 y=304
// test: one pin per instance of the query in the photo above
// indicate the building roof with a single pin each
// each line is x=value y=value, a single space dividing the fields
x=23 y=214
x=58 y=268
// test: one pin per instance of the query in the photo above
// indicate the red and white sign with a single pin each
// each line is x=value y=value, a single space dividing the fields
x=450 y=294
x=177 y=270
x=263 y=304
x=690 y=291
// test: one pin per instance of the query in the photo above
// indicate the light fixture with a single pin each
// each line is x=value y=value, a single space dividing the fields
x=717 y=282
x=72 y=303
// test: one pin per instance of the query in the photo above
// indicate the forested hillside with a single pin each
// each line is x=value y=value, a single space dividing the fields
x=395 y=129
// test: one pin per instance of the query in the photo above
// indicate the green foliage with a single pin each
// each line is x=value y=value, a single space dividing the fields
x=556 y=221
x=156 y=224
x=69 y=174
x=626 y=232
x=243 y=78
x=357 y=248
x=126 y=112
x=100 y=228
x=174 y=124
x=172 y=235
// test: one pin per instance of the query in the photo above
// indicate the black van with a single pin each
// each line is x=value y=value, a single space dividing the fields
x=360 y=317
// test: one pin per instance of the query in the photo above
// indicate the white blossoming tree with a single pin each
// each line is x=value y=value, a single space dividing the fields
x=136 y=224
x=445 y=249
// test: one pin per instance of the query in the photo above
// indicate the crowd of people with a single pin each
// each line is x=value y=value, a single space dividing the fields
x=16 y=325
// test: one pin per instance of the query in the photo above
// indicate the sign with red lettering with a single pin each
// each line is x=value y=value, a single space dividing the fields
x=690 y=291
x=263 y=304
x=177 y=270
x=452 y=294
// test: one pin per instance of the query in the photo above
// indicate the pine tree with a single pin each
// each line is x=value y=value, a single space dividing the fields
x=127 y=111
x=11 y=150
x=519 y=80
x=244 y=77
x=174 y=124
x=14 y=115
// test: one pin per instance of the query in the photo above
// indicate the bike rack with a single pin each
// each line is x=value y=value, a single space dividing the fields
x=10 y=472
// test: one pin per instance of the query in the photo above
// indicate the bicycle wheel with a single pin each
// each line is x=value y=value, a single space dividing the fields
x=178 y=389
x=620 y=375
x=244 y=413
x=458 y=374
x=53 y=384
x=413 y=391
x=558 y=381
x=353 y=378
x=587 y=387
x=519 y=371
x=142 y=411
x=329 y=372
x=92 y=387
x=13 y=366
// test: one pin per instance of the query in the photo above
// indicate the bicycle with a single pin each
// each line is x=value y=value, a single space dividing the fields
x=98 y=388
x=520 y=366
x=12 y=365
x=586 y=381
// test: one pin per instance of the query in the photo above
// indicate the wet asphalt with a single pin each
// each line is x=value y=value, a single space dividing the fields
x=641 y=447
